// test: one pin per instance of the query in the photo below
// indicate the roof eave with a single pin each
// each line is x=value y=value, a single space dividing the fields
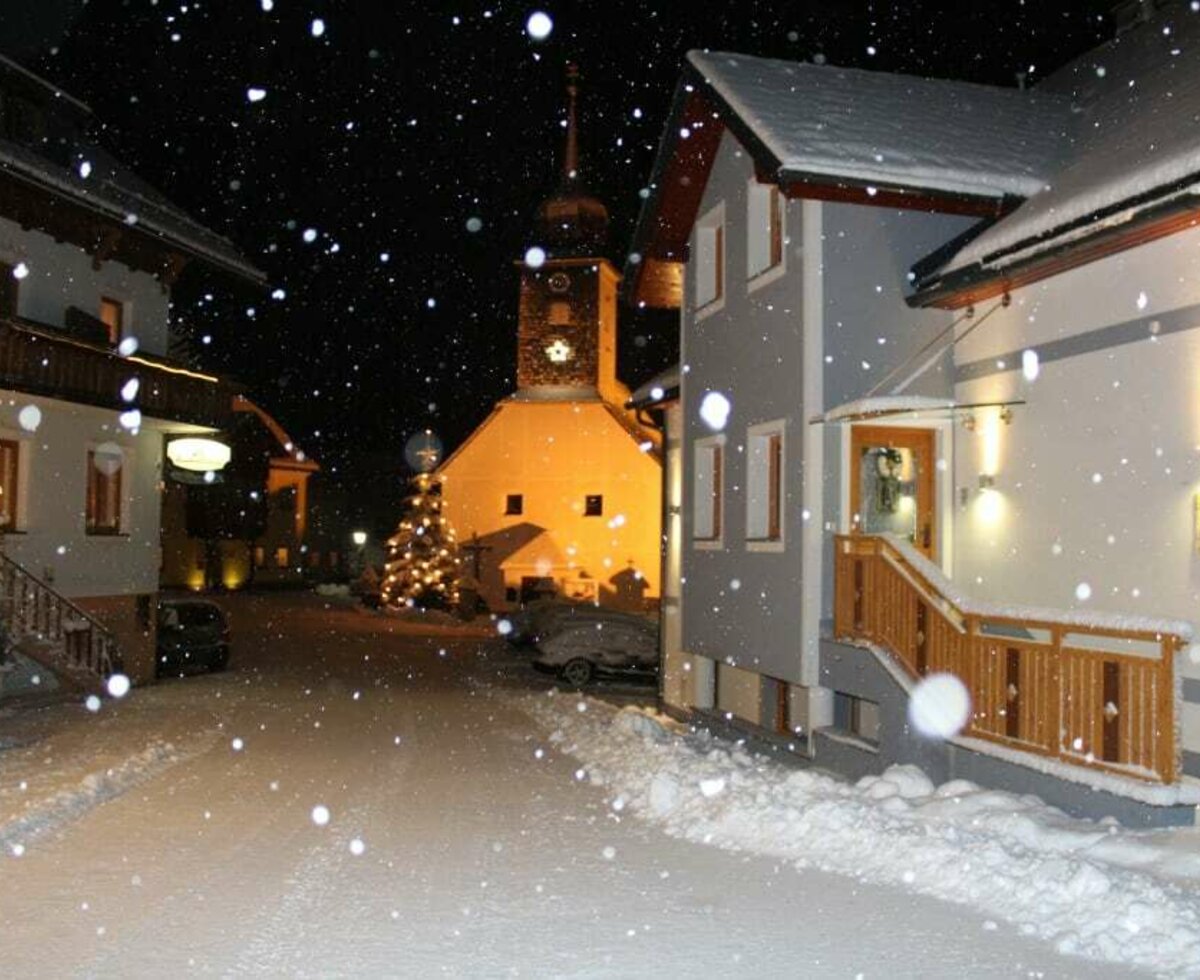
x=971 y=284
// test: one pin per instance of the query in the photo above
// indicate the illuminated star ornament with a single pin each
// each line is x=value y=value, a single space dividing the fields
x=559 y=352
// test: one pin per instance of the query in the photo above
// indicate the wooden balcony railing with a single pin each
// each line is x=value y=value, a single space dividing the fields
x=1096 y=691
x=30 y=608
x=48 y=361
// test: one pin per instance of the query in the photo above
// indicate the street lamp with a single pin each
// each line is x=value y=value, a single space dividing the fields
x=359 y=538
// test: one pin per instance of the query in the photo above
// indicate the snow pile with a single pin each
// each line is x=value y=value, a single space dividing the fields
x=71 y=802
x=1093 y=890
x=333 y=590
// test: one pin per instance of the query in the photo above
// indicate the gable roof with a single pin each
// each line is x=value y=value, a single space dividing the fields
x=111 y=190
x=925 y=134
x=1132 y=172
x=840 y=134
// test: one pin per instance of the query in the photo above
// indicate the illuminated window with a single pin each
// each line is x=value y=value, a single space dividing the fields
x=260 y=557
x=764 y=228
x=514 y=504
x=9 y=454
x=710 y=258
x=112 y=315
x=593 y=505
x=707 y=490
x=104 y=467
x=281 y=558
x=764 y=483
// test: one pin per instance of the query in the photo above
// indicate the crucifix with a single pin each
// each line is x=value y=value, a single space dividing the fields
x=476 y=551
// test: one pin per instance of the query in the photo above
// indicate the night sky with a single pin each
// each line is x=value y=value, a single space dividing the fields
x=400 y=123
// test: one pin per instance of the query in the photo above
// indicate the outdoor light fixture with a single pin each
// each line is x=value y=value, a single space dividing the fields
x=198 y=454
x=359 y=538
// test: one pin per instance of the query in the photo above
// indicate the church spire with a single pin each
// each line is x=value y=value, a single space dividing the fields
x=571 y=150
x=572 y=222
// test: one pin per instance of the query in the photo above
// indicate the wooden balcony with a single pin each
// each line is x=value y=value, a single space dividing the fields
x=1095 y=691
x=43 y=360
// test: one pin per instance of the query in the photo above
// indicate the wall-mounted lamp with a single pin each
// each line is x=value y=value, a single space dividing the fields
x=987 y=481
x=198 y=455
x=968 y=422
x=359 y=538
x=1006 y=415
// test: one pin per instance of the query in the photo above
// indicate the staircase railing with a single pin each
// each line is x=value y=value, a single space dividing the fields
x=1092 y=690
x=31 y=608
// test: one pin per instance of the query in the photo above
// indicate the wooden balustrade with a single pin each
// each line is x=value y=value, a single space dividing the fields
x=30 y=608
x=1071 y=688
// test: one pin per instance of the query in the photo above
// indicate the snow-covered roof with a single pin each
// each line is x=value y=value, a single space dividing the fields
x=876 y=127
x=113 y=190
x=1134 y=138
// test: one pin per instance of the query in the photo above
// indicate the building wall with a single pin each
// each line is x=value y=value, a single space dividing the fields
x=739 y=605
x=554 y=454
x=61 y=275
x=1097 y=475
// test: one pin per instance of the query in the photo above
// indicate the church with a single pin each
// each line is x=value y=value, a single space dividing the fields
x=559 y=489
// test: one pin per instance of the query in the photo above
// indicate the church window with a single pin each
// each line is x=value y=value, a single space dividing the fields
x=559 y=315
x=593 y=505
x=514 y=503
x=764 y=229
x=707 y=475
x=710 y=259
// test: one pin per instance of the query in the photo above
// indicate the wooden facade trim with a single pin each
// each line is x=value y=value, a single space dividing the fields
x=38 y=361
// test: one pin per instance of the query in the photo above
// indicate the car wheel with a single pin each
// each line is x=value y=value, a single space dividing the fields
x=577 y=672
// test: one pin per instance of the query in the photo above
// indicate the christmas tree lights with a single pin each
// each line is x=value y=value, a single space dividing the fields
x=422 y=567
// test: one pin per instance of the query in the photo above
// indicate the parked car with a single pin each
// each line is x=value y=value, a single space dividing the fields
x=193 y=635
x=580 y=651
x=542 y=619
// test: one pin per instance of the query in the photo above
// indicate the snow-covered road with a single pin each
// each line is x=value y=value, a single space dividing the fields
x=150 y=842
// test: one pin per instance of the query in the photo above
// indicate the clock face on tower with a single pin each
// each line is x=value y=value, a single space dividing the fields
x=560 y=282
x=559 y=351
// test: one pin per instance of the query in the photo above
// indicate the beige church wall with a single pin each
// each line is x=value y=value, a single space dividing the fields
x=555 y=454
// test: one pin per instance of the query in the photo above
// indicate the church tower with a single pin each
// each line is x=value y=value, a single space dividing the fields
x=567 y=333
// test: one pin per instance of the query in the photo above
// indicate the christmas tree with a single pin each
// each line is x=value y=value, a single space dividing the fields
x=422 y=562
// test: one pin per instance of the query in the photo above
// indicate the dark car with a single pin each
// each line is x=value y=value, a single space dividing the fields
x=193 y=635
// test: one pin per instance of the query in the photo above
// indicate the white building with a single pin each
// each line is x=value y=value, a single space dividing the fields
x=88 y=255
x=957 y=330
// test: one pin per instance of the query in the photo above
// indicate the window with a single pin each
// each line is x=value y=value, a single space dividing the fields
x=260 y=557
x=710 y=258
x=9 y=290
x=764 y=483
x=514 y=503
x=104 y=466
x=112 y=315
x=706 y=491
x=856 y=716
x=281 y=558
x=764 y=228
x=9 y=454
x=593 y=505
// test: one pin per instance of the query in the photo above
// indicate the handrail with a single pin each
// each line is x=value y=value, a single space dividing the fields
x=1032 y=686
x=37 y=610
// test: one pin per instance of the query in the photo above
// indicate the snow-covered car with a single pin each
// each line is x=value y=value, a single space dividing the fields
x=193 y=635
x=578 y=652
x=543 y=619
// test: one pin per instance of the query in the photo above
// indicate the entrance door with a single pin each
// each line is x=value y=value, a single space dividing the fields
x=892 y=484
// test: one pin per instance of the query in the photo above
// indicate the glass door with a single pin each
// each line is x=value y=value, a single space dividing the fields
x=892 y=484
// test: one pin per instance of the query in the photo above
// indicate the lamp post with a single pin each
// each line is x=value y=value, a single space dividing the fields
x=360 y=544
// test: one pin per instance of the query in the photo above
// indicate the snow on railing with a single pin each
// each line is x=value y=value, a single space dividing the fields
x=30 y=608
x=1093 y=689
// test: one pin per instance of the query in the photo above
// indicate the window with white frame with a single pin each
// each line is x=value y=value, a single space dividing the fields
x=764 y=228
x=707 y=463
x=710 y=257
x=764 y=483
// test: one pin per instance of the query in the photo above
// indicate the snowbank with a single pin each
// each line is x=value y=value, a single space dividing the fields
x=1093 y=890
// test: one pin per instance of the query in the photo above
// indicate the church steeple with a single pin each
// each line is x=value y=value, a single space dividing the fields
x=571 y=222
